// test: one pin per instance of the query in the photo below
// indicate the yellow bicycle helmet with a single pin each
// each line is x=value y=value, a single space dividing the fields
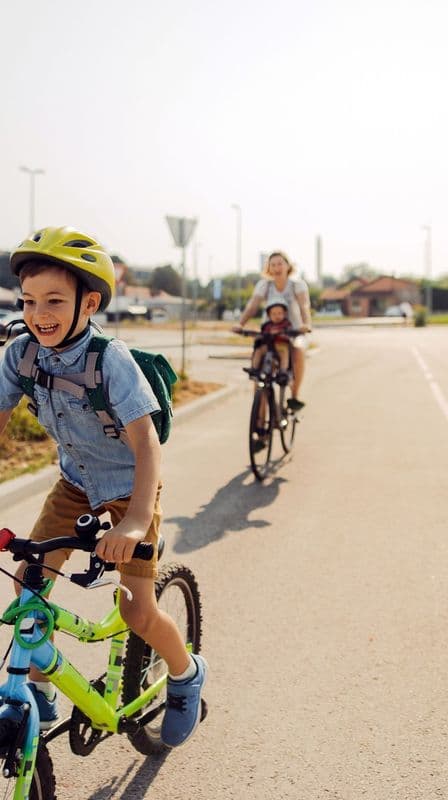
x=80 y=254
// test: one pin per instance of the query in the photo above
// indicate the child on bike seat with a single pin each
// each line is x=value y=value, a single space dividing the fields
x=277 y=323
x=65 y=278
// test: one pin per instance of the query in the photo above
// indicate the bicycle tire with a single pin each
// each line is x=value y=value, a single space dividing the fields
x=288 y=422
x=260 y=458
x=43 y=783
x=178 y=594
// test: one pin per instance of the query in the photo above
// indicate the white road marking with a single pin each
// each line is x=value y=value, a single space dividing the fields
x=435 y=388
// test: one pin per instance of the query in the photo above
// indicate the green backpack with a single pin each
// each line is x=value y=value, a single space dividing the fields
x=155 y=367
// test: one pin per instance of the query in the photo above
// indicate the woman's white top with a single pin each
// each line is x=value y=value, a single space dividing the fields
x=266 y=289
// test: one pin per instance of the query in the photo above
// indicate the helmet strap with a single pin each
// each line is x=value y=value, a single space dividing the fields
x=78 y=300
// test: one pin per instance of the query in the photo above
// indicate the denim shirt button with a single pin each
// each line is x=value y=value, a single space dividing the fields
x=69 y=444
x=60 y=414
x=81 y=466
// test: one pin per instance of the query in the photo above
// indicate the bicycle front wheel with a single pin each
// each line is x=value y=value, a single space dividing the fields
x=178 y=595
x=43 y=781
x=288 y=422
x=260 y=433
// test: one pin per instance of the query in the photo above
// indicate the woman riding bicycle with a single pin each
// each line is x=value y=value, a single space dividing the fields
x=277 y=281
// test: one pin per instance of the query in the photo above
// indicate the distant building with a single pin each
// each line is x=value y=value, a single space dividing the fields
x=363 y=298
x=134 y=301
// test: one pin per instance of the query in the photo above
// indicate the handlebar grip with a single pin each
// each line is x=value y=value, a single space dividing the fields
x=144 y=550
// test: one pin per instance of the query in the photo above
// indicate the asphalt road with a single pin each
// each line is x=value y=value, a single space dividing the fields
x=324 y=590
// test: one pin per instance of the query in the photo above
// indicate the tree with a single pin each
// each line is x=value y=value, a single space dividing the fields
x=166 y=279
x=361 y=270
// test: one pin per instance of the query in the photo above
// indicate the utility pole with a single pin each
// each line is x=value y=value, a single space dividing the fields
x=319 y=261
x=32 y=173
x=428 y=267
x=238 y=254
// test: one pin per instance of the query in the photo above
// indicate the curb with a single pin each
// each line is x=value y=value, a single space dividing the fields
x=19 y=489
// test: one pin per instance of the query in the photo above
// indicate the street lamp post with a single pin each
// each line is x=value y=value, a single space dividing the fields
x=32 y=173
x=238 y=253
x=428 y=267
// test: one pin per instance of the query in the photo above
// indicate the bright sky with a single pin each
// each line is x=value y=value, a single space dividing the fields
x=315 y=116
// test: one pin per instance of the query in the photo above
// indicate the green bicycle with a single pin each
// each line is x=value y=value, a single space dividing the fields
x=129 y=698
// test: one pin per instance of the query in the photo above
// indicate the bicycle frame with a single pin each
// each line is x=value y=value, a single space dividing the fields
x=31 y=645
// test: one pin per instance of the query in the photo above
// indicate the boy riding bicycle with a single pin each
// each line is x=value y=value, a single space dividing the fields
x=65 y=278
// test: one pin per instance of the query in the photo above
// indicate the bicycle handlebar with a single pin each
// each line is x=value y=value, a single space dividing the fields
x=26 y=547
x=291 y=332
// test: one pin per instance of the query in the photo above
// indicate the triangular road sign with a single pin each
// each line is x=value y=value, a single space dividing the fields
x=181 y=229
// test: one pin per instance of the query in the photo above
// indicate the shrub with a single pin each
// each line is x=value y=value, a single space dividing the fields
x=24 y=426
x=420 y=316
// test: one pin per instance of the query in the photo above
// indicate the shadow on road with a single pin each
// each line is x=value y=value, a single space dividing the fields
x=118 y=788
x=227 y=511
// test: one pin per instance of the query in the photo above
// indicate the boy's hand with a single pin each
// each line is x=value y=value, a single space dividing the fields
x=118 y=544
x=237 y=328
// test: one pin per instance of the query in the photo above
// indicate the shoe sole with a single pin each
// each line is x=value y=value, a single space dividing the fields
x=198 y=717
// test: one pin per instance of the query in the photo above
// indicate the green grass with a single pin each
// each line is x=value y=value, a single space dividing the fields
x=438 y=319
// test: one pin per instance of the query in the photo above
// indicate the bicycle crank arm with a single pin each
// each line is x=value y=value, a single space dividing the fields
x=62 y=727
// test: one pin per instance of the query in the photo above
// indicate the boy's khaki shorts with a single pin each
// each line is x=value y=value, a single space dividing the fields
x=66 y=503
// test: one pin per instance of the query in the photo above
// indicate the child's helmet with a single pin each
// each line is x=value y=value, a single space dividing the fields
x=80 y=254
x=276 y=300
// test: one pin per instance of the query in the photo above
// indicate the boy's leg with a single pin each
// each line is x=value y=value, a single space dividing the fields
x=187 y=673
x=61 y=508
x=257 y=356
x=144 y=617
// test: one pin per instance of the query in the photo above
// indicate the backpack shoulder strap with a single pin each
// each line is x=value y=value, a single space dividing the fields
x=27 y=366
x=93 y=372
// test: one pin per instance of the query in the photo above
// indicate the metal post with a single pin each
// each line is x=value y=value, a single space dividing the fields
x=183 y=312
x=238 y=253
x=428 y=268
x=319 y=261
x=32 y=173
x=196 y=245
x=182 y=229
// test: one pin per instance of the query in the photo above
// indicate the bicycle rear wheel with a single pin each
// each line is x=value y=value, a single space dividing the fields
x=178 y=595
x=288 y=422
x=43 y=781
x=260 y=432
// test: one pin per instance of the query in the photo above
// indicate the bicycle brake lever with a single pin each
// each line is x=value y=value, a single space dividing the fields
x=108 y=581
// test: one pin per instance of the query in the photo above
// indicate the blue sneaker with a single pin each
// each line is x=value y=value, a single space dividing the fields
x=183 y=706
x=48 y=709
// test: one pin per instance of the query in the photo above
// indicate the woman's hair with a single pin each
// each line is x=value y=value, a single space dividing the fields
x=266 y=273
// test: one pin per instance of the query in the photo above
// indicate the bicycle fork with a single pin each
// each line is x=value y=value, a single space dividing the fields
x=18 y=710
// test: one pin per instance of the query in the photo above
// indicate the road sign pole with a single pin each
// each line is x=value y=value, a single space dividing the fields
x=181 y=229
x=183 y=311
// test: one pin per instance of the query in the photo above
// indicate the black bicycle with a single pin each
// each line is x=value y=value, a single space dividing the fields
x=270 y=409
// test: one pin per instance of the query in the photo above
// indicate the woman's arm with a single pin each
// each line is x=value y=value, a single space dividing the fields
x=250 y=310
x=118 y=543
x=303 y=299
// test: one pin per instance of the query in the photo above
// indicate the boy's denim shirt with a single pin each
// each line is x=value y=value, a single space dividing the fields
x=97 y=464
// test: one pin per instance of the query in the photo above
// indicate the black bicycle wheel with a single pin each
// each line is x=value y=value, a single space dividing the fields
x=178 y=595
x=288 y=422
x=43 y=785
x=260 y=432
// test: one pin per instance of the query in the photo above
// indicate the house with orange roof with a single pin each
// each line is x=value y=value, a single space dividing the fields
x=363 y=298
